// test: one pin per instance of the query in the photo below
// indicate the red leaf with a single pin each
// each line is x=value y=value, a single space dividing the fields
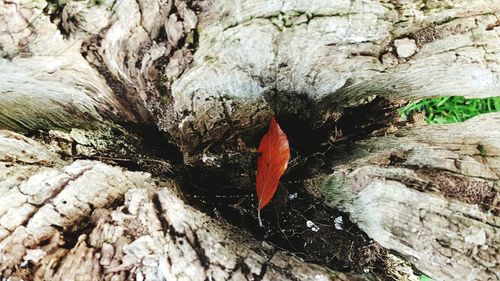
x=274 y=153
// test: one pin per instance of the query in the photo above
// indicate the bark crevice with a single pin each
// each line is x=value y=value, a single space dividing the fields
x=205 y=76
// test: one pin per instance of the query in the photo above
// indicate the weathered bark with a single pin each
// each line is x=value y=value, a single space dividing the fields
x=208 y=74
x=69 y=221
x=430 y=193
x=69 y=63
x=45 y=81
x=309 y=60
x=251 y=59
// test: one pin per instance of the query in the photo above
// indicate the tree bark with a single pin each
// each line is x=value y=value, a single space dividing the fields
x=87 y=220
x=430 y=193
x=309 y=61
x=208 y=75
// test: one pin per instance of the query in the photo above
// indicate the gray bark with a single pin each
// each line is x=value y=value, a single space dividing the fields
x=209 y=74
x=312 y=59
x=430 y=193
x=227 y=67
x=86 y=220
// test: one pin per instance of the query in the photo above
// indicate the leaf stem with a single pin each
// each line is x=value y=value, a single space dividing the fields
x=258 y=215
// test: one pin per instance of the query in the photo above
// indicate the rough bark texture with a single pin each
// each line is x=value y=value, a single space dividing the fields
x=90 y=221
x=208 y=74
x=78 y=61
x=45 y=81
x=309 y=60
x=430 y=193
x=220 y=68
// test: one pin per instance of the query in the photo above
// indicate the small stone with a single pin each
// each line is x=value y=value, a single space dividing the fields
x=405 y=47
x=338 y=223
x=312 y=226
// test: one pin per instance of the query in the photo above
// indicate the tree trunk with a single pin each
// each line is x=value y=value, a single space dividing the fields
x=86 y=220
x=430 y=193
x=99 y=79
x=309 y=61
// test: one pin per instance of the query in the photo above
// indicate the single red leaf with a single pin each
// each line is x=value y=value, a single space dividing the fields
x=274 y=153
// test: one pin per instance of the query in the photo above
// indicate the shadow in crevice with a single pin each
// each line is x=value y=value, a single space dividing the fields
x=299 y=223
x=296 y=220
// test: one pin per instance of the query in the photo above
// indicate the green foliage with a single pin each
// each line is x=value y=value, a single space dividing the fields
x=425 y=278
x=455 y=109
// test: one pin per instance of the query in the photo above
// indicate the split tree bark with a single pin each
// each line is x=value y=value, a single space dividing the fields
x=208 y=74
x=429 y=193
x=90 y=221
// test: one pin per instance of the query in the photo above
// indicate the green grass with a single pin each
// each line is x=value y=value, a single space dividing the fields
x=425 y=278
x=446 y=110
